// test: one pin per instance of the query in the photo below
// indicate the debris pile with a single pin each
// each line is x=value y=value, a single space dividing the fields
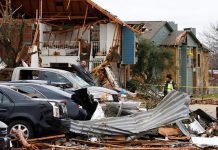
x=164 y=127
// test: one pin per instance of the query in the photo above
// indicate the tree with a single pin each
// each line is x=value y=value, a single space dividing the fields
x=152 y=61
x=11 y=36
x=211 y=39
x=148 y=71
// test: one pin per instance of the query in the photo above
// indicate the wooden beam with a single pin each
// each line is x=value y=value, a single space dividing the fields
x=71 y=37
x=67 y=18
x=36 y=34
x=68 y=4
x=85 y=17
x=72 y=28
x=114 y=37
x=40 y=9
x=47 y=138
x=84 y=22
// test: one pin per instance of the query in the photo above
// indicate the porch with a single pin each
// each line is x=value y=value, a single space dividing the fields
x=71 y=52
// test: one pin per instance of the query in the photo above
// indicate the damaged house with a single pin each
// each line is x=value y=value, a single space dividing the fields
x=70 y=31
x=190 y=71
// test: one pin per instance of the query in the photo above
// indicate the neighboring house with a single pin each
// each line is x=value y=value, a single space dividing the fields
x=156 y=31
x=71 y=31
x=213 y=81
x=191 y=71
x=191 y=57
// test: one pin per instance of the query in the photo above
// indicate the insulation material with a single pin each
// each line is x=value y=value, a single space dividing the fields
x=35 y=57
x=2 y=65
x=111 y=77
x=195 y=126
x=205 y=141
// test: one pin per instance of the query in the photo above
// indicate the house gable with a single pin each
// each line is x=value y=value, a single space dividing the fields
x=161 y=35
x=191 y=41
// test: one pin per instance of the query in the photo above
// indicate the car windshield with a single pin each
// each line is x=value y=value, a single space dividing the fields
x=78 y=80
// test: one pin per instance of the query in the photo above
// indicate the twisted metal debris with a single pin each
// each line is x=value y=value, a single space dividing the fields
x=174 y=107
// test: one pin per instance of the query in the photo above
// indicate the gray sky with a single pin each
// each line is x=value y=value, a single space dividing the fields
x=186 y=13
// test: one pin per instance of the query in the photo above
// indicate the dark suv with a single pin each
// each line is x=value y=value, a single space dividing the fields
x=33 y=117
x=50 y=92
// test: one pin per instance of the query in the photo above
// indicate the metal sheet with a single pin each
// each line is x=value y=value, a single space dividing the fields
x=174 y=107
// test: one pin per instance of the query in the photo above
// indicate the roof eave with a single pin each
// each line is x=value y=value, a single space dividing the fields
x=110 y=16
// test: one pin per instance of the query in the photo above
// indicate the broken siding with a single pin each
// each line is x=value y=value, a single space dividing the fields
x=128 y=46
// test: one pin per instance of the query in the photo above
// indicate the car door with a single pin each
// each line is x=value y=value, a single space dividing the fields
x=6 y=106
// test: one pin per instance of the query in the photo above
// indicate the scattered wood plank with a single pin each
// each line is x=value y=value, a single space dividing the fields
x=96 y=143
x=169 y=131
x=47 y=138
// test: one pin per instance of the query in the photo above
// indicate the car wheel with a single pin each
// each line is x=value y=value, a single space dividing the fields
x=23 y=126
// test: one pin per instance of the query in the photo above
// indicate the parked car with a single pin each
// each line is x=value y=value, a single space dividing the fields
x=5 y=140
x=75 y=69
x=61 y=76
x=50 y=92
x=33 y=117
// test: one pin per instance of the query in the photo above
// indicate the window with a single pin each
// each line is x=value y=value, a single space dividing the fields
x=95 y=33
x=4 y=99
x=29 y=74
x=29 y=91
x=53 y=77
x=199 y=60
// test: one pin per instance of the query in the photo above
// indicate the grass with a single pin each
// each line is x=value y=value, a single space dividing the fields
x=209 y=96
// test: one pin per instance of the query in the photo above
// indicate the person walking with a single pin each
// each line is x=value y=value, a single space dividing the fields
x=169 y=85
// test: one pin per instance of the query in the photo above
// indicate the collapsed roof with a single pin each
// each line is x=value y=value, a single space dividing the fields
x=64 y=11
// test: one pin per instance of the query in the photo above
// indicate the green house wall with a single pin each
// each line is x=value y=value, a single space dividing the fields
x=161 y=35
x=182 y=68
